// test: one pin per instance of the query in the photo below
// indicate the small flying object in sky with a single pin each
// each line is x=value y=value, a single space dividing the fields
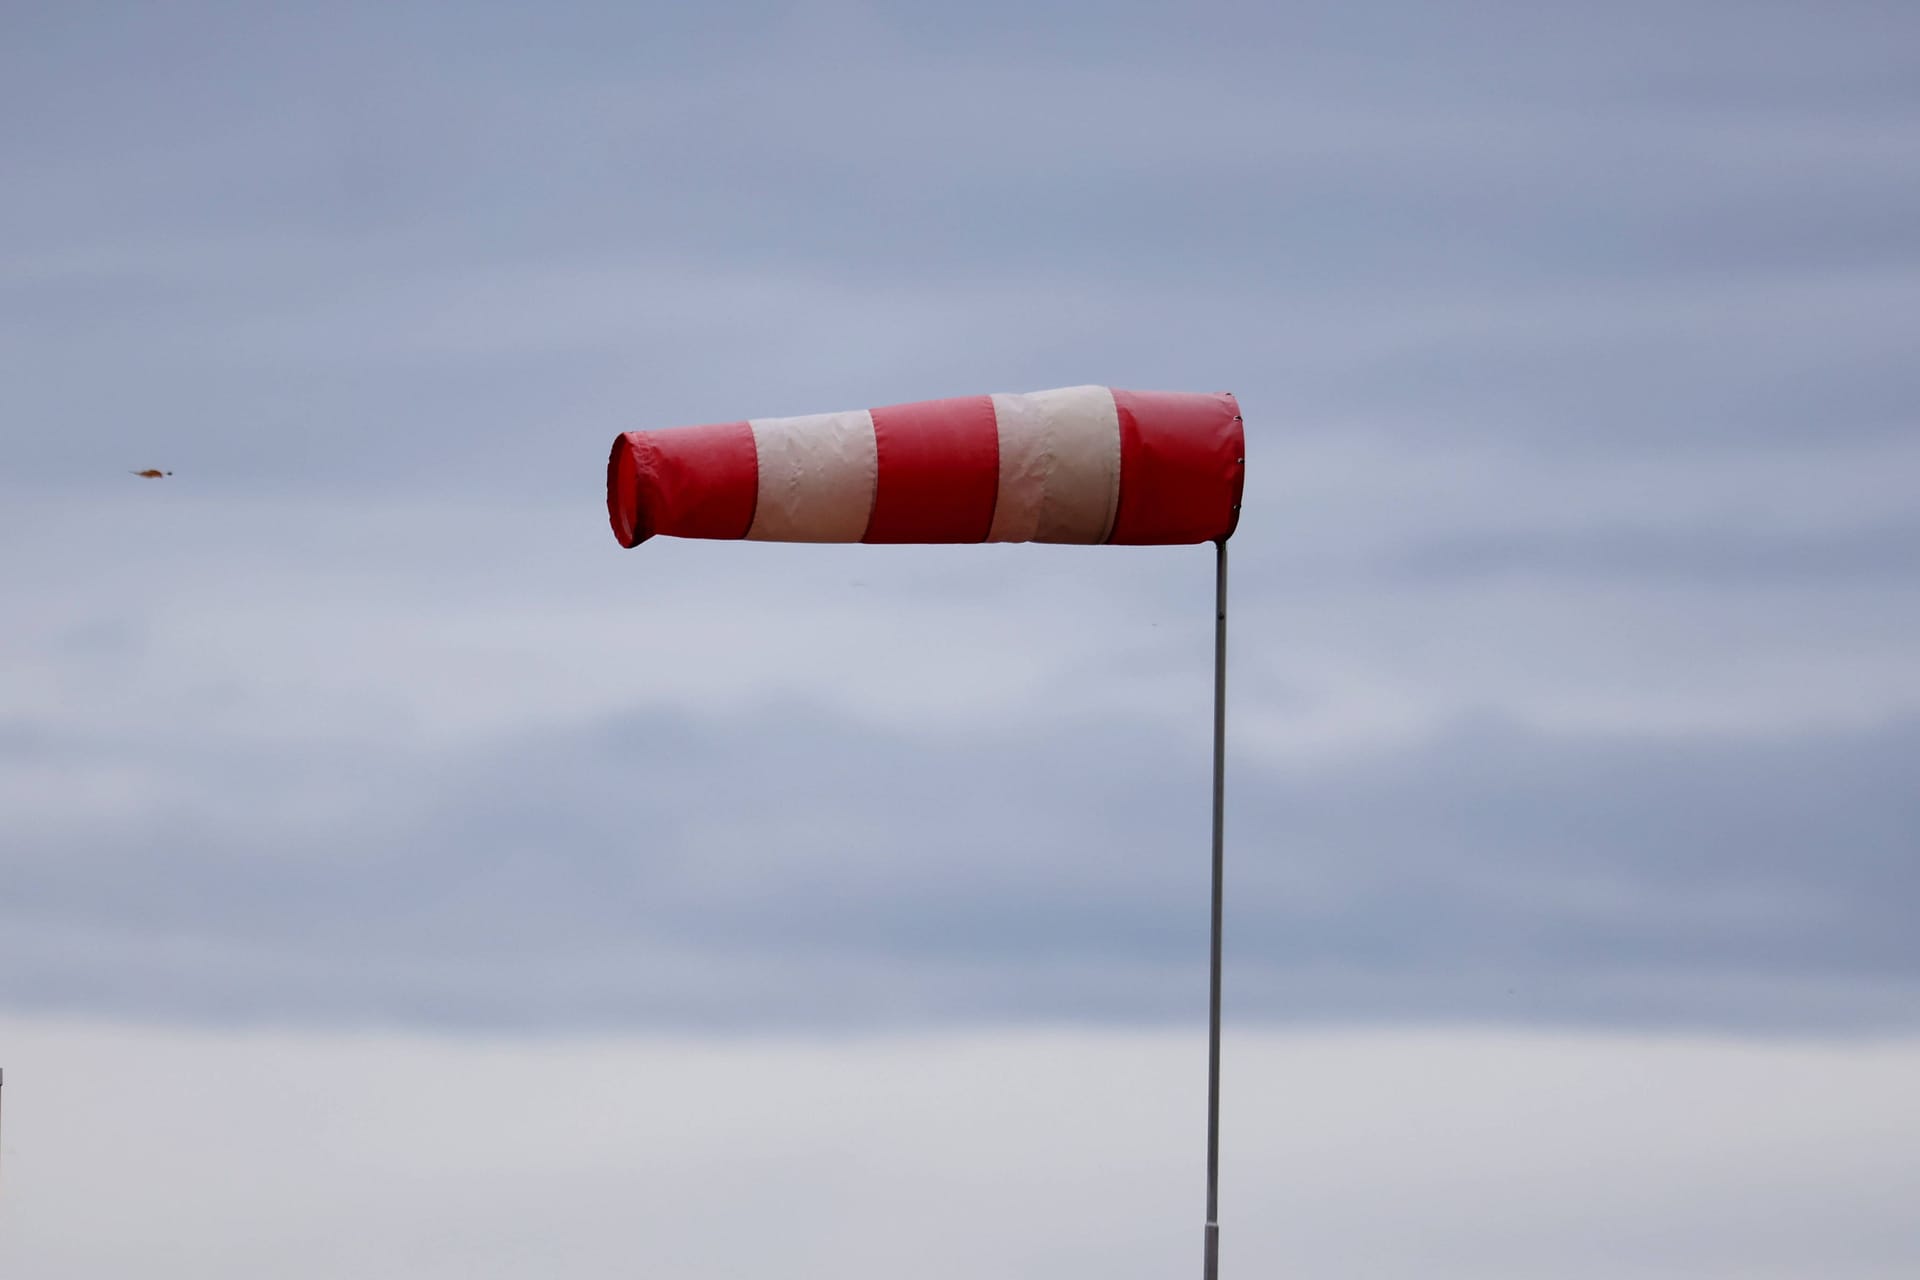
x=152 y=474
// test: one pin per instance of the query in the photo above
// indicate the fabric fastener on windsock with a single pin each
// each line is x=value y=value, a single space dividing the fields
x=1076 y=465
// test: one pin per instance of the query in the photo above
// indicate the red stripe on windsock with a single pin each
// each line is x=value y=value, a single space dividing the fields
x=939 y=471
x=686 y=482
x=1182 y=465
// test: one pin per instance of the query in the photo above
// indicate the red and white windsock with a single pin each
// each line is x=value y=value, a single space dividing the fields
x=1081 y=464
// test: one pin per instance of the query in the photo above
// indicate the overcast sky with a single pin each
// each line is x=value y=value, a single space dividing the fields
x=1574 y=691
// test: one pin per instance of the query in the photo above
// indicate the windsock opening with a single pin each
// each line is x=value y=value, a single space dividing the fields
x=623 y=494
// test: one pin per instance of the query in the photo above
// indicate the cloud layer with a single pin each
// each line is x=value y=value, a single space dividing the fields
x=1572 y=662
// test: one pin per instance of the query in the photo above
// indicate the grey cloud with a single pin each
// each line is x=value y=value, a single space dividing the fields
x=354 y=255
x=1715 y=558
x=1535 y=316
x=790 y=867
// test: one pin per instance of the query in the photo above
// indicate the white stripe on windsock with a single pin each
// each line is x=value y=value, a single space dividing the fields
x=818 y=474
x=1059 y=466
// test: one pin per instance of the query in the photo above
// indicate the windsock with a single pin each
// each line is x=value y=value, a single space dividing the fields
x=1076 y=465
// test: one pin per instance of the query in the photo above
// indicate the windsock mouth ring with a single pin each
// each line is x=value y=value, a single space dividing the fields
x=625 y=510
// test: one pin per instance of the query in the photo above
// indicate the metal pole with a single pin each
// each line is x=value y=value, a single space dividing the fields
x=1212 y=1264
